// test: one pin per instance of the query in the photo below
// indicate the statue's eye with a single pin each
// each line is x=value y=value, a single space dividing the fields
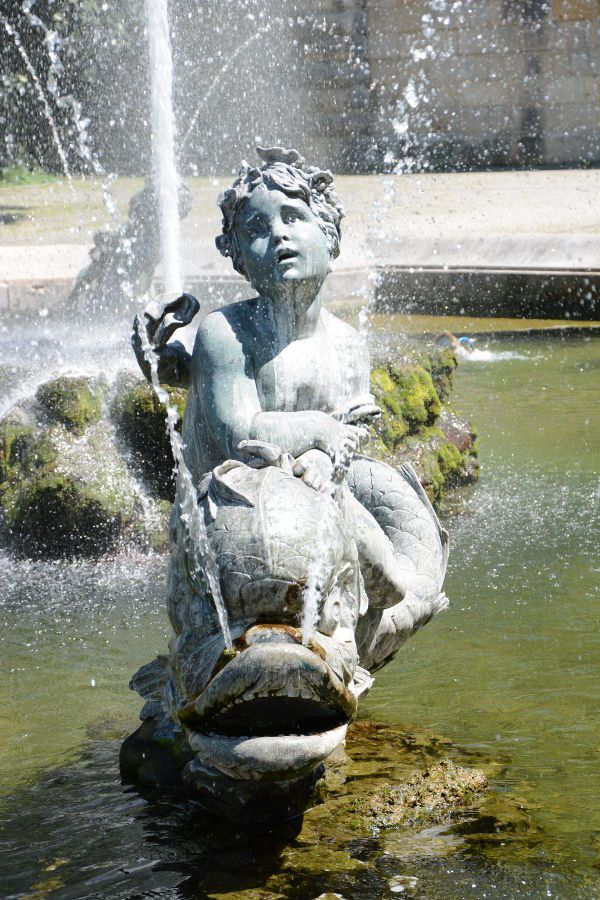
x=291 y=217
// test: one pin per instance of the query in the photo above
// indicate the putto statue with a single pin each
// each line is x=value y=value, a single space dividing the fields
x=326 y=560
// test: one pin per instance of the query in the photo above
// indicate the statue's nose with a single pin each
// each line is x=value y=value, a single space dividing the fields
x=279 y=232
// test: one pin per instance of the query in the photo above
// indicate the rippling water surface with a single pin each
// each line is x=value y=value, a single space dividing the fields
x=509 y=673
x=514 y=667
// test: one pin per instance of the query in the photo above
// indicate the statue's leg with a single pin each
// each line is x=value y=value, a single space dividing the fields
x=384 y=580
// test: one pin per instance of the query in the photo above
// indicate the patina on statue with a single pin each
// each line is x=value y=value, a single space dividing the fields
x=278 y=406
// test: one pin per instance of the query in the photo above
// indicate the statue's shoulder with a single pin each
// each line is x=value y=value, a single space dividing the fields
x=340 y=331
x=223 y=336
x=234 y=320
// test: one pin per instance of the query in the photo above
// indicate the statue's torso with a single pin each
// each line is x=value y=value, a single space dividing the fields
x=318 y=372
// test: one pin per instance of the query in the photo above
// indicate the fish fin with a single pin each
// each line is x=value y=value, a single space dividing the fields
x=410 y=476
x=361 y=683
x=222 y=487
x=440 y=603
x=150 y=680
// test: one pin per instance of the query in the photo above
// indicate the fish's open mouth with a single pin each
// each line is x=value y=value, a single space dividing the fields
x=275 y=711
x=271 y=716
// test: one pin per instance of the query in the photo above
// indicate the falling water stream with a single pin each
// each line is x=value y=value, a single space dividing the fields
x=203 y=567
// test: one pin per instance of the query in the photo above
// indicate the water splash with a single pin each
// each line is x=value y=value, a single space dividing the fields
x=54 y=44
x=491 y=355
x=203 y=565
x=16 y=38
x=163 y=141
x=223 y=71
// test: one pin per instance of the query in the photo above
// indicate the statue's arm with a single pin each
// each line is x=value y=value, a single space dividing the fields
x=359 y=405
x=223 y=378
x=162 y=319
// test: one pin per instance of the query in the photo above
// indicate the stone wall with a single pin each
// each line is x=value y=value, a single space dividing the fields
x=446 y=84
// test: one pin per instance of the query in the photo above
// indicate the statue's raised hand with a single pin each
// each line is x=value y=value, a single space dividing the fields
x=163 y=317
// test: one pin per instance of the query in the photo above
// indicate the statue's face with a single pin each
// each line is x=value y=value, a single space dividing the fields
x=281 y=241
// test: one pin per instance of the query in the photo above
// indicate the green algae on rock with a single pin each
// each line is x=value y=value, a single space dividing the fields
x=67 y=488
x=427 y=798
x=417 y=427
x=66 y=492
x=76 y=402
x=53 y=515
x=399 y=795
x=441 y=363
x=408 y=401
x=141 y=423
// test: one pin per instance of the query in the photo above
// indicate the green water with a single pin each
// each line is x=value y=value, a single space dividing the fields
x=514 y=667
x=509 y=672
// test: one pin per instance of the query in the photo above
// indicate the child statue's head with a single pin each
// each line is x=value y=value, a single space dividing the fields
x=282 y=170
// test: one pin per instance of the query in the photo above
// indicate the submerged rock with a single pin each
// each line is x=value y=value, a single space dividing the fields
x=427 y=798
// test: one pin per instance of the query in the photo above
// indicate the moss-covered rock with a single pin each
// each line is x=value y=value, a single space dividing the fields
x=75 y=402
x=16 y=438
x=441 y=364
x=63 y=493
x=416 y=426
x=141 y=423
x=427 y=798
x=53 y=515
x=408 y=401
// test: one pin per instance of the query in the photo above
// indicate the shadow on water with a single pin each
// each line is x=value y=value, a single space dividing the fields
x=77 y=832
x=80 y=832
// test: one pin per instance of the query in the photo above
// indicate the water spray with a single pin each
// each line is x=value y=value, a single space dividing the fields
x=14 y=35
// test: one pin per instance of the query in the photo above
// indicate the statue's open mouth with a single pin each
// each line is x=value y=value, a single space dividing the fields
x=275 y=711
x=287 y=254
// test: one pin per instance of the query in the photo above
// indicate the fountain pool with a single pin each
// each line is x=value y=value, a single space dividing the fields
x=522 y=627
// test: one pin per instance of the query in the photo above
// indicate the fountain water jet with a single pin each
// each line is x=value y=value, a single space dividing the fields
x=163 y=141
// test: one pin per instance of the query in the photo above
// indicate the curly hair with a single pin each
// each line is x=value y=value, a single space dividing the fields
x=283 y=170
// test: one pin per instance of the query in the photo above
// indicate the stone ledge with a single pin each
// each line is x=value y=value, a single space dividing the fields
x=490 y=292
